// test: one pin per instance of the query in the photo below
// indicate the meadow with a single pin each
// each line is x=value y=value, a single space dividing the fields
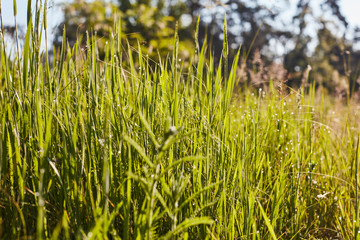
x=128 y=147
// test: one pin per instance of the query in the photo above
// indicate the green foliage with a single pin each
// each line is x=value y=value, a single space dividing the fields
x=147 y=24
x=250 y=25
x=112 y=149
x=329 y=61
x=81 y=16
x=142 y=22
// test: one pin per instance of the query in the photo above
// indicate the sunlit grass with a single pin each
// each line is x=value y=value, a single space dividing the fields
x=122 y=148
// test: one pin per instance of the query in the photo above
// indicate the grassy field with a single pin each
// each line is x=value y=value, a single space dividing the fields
x=127 y=147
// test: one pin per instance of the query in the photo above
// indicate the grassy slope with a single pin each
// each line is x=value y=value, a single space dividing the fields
x=97 y=148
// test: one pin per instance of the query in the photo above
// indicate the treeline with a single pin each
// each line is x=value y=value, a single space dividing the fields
x=254 y=27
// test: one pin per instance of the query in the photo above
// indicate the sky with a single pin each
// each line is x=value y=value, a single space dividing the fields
x=350 y=8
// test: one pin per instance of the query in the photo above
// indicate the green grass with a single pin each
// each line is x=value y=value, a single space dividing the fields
x=123 y=148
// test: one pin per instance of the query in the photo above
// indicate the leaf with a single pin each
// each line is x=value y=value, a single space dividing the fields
x=139 y=149
x=267 y=222
x=225 y=41
x=45 y=19
x=149 y=131
x=186 y=224
x=189 y=199
x=56 y=171
x=29 y=12
x=197 y=35
x=182 y=160
x=26 y=53
x=15 y=8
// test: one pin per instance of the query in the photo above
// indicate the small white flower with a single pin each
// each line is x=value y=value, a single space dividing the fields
x=321 y=196
x=172 y=129
x=101 y=141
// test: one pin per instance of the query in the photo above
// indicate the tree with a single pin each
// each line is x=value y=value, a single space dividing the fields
x=81 y=16
x=148 y=24
x=250 y=25
x=142 y=22
x=298 y=58
x=329 y=60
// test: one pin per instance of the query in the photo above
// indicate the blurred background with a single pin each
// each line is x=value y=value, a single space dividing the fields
x=279 y=39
